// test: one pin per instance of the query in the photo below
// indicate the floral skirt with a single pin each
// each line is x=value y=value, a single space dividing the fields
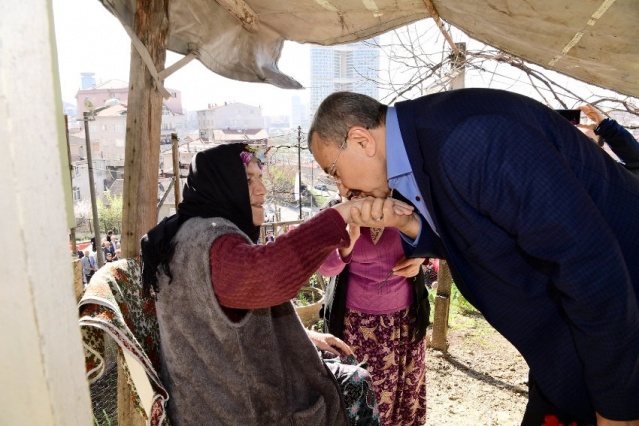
x=397 y=364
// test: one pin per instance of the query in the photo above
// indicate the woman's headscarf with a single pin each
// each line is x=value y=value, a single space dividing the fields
x=215 y=187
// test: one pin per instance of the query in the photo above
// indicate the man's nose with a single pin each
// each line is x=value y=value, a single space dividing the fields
x=343 y=191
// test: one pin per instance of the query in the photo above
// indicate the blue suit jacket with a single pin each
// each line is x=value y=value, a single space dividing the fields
x=541 y=230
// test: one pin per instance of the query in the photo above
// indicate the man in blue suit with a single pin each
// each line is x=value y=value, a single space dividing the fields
x=539 y=227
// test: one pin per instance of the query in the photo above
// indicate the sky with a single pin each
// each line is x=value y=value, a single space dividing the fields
x=90 y=39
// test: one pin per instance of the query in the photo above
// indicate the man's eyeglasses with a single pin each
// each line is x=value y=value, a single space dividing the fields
x=352 y=193
x=331 y=168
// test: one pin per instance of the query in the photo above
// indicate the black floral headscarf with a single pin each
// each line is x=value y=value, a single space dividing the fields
x=215 y=187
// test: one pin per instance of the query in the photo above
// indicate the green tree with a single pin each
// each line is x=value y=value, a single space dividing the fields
x=110 y=212
x=279 y=183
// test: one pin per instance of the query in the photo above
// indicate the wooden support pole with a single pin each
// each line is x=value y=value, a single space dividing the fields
x=459 y=66
x=74 y=246
x=176 y=168
x=439 y=339
x=94 y=204
x=142 y=152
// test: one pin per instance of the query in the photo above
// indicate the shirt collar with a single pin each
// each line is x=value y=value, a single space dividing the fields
x=397 y=162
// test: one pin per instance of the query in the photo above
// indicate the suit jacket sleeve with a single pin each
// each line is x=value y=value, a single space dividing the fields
x=518 y=179
x=621 y=142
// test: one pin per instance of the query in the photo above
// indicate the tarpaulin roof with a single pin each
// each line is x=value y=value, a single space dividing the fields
x=595 y=41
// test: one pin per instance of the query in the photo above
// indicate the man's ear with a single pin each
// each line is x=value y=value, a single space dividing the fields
x=364 y=139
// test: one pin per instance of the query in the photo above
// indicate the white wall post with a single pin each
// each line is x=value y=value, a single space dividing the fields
x=41 y=360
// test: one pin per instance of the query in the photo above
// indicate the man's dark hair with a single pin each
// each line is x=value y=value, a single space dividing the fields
x=342 y=110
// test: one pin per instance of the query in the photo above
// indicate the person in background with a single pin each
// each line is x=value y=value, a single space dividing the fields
x=269 y=237
x=380 y=307
x=233 y=348
x=107 y=248
x=431 y=269
x=89 y=266
x=606 y=130
x=525 y=210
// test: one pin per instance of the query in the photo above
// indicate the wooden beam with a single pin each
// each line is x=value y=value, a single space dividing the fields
x=242 y=12
x=433 y=14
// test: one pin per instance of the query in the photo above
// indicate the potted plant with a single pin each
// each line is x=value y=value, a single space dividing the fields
x=309 y=300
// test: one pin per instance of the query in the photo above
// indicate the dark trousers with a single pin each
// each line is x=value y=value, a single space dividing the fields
x=540 y=411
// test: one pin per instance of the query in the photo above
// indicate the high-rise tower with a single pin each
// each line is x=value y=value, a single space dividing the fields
x=353 y=67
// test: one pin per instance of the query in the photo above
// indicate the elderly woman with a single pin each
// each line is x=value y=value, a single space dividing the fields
x=233 y=349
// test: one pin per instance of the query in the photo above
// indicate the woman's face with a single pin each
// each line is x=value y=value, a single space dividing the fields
x=257 y=191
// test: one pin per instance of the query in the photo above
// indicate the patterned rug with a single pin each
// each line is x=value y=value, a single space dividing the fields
x=112 y=303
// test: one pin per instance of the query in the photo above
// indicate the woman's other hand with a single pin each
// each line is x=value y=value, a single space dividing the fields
x=408 y=267
x=328 y=342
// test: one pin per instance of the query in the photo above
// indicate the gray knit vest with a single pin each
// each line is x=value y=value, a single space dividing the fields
x=262 y=370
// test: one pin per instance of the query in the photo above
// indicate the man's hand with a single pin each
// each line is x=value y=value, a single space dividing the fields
x=592 y=113
x=602 y=421
x=381 y=212
x=328 y=342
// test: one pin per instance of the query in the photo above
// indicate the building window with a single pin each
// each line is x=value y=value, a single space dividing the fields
x=76 y=193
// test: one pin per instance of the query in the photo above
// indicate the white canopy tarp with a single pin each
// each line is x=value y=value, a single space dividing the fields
x=595 y=41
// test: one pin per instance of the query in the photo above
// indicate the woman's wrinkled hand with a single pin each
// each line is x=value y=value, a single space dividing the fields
x=328 y=342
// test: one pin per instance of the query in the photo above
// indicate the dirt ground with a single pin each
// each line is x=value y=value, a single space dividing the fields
x=481 y=381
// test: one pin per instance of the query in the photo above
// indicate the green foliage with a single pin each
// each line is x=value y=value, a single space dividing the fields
x=459 y=302
x=318 y=198
x=314 y=281
x=110 y=212
x=302 y=298
x=279 y=183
